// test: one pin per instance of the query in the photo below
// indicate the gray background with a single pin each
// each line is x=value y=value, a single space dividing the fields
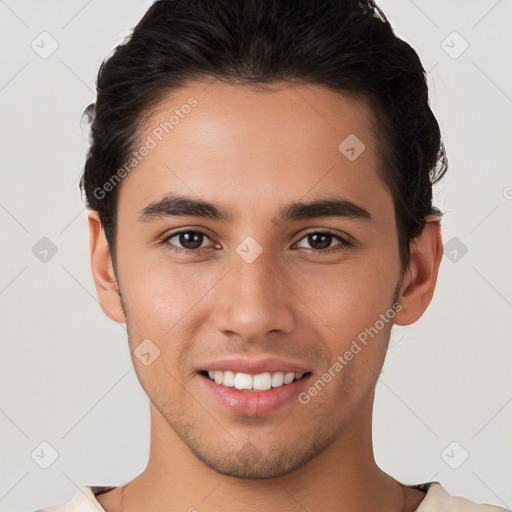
x=66 y=375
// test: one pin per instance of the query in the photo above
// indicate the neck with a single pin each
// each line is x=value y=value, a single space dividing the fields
x=343 y=477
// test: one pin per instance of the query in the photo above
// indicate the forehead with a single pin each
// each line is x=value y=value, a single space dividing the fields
x=238 y=142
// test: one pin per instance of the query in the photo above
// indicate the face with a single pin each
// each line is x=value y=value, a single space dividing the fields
x=260 y=281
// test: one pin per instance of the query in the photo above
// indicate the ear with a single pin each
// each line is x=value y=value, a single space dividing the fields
x=420 y=278
x=103 y=271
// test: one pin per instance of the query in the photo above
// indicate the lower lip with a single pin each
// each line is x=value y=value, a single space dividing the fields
x=253 y=403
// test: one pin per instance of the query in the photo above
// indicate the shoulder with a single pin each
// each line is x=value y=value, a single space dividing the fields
x=83 y=501
x=438 y=499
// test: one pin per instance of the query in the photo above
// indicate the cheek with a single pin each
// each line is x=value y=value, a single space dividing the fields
x=350 y=298
x=161 y=296
x=162 y=302
x=349 y=301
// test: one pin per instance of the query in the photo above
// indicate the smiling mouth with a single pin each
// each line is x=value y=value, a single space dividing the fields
x=246 y=381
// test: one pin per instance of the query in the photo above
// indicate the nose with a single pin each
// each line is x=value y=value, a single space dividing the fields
x=253 y=300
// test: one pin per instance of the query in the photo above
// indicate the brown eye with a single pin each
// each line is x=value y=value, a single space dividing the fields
x=191 y=239
x=187 y=240
x=322 y=241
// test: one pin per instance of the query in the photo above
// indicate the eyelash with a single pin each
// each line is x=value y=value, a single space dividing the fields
x=344 y=243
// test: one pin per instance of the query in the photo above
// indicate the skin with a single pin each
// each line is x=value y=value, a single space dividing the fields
x=252 y=152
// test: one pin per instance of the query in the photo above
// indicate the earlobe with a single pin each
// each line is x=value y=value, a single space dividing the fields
x=420 y=278
x=103 y=272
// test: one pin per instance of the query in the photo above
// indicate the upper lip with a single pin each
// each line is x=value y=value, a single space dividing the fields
x=254 y=366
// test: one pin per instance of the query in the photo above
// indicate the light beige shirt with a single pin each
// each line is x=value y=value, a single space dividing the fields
x=437 y=499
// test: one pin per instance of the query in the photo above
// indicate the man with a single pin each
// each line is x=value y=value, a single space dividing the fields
x=260 y=185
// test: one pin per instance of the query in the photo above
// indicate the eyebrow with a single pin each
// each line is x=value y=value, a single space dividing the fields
x=173 y=205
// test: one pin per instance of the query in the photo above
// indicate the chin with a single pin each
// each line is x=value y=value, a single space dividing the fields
x=251 y=461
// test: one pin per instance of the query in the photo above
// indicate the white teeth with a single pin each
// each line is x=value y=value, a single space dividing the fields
x=229 y=379
x=243 y=381
x=288 y=377
x=259 y=382
x=262 y=381
x=277 y=379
